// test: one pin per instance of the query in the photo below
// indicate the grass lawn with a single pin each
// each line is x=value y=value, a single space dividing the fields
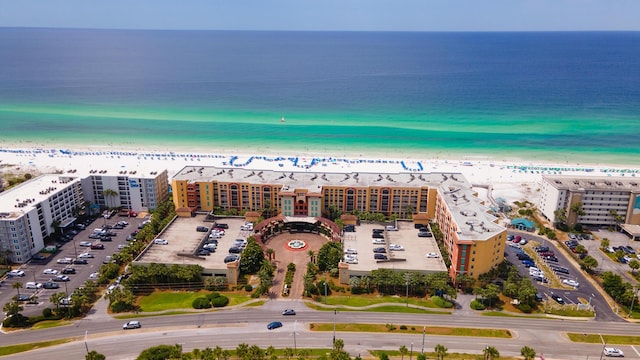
x=18 y=348
x=171 y=300
x=412 y=329
x=366 y=300
x=382 y=308
x=395 y=354
x=50 y=323
x=609 y=339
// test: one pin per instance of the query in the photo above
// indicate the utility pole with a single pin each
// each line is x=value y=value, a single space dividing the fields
x=333 y=344
x=407 y=275
x=411 y=352
x=604 y=345
x=424 y=333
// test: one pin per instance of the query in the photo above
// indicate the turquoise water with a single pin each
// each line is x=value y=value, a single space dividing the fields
x=564 y=97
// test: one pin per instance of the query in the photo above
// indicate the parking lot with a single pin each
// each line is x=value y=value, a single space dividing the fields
x=412 y=257
x=183 y=241
x=71 y=250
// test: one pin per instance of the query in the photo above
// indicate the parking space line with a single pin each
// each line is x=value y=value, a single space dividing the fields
x=634 y=349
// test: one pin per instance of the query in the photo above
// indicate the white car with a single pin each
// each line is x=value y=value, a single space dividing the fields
x=351 y=251
x=50 y=271
x=15 y=273
x=571 y=282
x=615 y=352
x=132 y=325
x=160 y=242
x=210 y=246
x=432 y=255
x=86 y=256
x=65 y=261
x=94 y=275
x=396 y=247
x=33 y=285
x=379 y=241
x=391 y=228
x=122 y=246
x=85 y=243
x=111 y=288
x=351 y=260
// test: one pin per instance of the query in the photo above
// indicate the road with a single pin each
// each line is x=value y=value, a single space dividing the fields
x=227 y=328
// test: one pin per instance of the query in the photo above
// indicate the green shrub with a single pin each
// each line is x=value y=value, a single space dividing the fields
x=17 y=320
x=477 y=305
x=201 y=303
x=526 y=308
x=248 y=288
x=220 y=301
x=46 y=312
x=441 y=302
x=403 y=327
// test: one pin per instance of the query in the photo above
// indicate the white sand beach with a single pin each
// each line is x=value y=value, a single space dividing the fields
x=510 y=180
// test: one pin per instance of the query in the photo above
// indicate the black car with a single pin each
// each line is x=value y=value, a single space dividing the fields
x=80 y=262
x=377 y=236
x=38 y=257
x=50 y=285
x=202 y=228
x=203 y=252
x=231 y=258
x=379 y=250
x=558 y=299
x=542 y=249
x=380 y=256
x=69 y=270
x=23 y=297
x=235 y=250
x=221 y=226
x=551 y=258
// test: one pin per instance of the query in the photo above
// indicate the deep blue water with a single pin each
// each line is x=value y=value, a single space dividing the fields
x=541 y=95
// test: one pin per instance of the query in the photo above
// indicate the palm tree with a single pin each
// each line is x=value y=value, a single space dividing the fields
x=109 y=193
x=271 y=254
x=403 y=351
x=528 y=353
x=312 y=255
x=491 y=353
x=604 y=244
x=441 y=351
x=17 y=285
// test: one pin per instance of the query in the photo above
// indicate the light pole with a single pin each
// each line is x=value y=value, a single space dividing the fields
x=407 y=283
x=411 y=352
x=424 y=333
x=604 y=345
x=86 y=332
x=325 y=291
x=333 y=344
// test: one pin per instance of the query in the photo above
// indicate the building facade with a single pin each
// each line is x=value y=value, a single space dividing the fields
x=474 y=241
x=128 y=190
x=603 y=201
x=33 y=210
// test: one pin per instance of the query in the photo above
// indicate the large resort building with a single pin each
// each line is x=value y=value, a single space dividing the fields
x=473 y=238
x=604 y=201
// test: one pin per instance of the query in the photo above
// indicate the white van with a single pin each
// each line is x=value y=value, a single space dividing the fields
x=33 y=285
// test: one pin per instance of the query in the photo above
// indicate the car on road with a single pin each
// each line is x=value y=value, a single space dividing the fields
x=50 y=285
x=274 y=325
x=13 y=273
x=396 y=247
x=65 y=261
x=613 y=352
x=85 y=243
x=289 y=312
x=558 y=299
x=571 y=282
x=432 y=255
x=50 y=272
x=134 y=324
x=160 y=242
x=97 y=246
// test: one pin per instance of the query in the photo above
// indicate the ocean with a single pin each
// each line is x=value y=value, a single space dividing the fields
x=543 y=96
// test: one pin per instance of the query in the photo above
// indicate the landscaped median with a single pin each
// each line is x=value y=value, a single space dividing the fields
x=608 y=339
x=413 y=329
x=433 y=305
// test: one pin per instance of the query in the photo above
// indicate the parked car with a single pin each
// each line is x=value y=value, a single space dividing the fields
x=203 y=252
x=558 y=299
x=235 y=250
x=378 y=241
x=160 y=242
x=289 y=312
x=231 y=258
x=69 y=271
x=571 y=282
x=202 y=229
x=62 y=278
x=80 y=261
x=391 y=228
x=38 y=257
x=50 y=285
x=351 y=260
x=221 y=225
x=86 y=243
x=396 y=247
x=50 y=272
x=23 y=297
x=424 y=234
x=378 y=256
x=65 y=261
x=274 y=325
x=351 y=251
x=432 y=255
x=32 y=285
x=379 y=250
x=86 y=256
x=97 y=246
x=134 y=324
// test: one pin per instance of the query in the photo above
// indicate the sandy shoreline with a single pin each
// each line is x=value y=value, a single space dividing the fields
x=512 y=180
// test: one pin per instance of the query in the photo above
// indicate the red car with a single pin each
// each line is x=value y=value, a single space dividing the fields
x=97 y=246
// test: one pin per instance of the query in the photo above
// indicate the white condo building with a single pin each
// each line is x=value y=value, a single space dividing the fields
x=133 y=190
x=29 y=211
x=606 y=201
